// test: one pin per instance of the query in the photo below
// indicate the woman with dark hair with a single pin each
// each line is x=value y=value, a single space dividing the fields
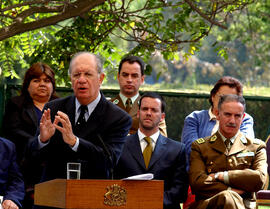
x=23 y=112
x=22 y=116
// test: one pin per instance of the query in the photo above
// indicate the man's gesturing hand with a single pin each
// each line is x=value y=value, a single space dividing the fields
x=47 y=129
x=65 y=129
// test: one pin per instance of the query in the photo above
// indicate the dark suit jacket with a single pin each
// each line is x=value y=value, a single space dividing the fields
x=11 y=182
x=107 y=122
x=20 y=125
x=20 y=122
x=168 y=163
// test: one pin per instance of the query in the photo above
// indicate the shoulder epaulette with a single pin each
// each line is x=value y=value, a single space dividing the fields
x=200 y=140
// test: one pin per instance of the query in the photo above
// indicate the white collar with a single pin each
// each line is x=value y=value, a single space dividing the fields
x=211 y=115
x=91 y=106
x=154 y=137
x=232 y=139
x=124 y=98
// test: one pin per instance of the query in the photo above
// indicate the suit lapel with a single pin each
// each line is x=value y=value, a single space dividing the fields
x=30 y=110
x=93 y=121
x=135 y=106
x=238 y=144
x=70 y=109
x=219 y=145
x=160 y=148
x=134 y=148
x=216 y=143
x=96 y=116
x=118 y=101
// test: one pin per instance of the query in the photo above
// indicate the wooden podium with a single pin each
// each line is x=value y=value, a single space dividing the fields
x=100 y=194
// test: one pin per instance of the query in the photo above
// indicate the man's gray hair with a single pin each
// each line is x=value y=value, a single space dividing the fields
x=97 y=59
x=231 y=98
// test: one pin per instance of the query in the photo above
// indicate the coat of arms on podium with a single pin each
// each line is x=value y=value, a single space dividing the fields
x=115 y=195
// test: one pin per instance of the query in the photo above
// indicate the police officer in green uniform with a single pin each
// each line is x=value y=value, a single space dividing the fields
x=130 y=77
x=227 y=168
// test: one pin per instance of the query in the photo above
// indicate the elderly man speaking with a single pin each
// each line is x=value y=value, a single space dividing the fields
x=83 y=128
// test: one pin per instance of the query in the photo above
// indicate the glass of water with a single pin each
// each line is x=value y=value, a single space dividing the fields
x=73 y=170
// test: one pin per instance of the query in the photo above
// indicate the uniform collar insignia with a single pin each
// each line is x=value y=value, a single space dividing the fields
x=116 y=101
x=256 y=141
x=213 y=138
x=243 y=140
x=200 y=140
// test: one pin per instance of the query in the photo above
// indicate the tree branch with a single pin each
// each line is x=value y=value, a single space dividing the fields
x=203 y=15
x=72 y=10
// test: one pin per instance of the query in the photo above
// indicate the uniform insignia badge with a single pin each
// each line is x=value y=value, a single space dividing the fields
x=200 y=140
x=256 y=141
x=246 y=154
x=116 y=101
x=243 y=140
x=213 y=138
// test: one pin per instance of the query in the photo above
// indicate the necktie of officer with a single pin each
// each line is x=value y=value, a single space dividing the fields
x=128 y=104
x=81 y=120
x=147 y=153
x=228 y=144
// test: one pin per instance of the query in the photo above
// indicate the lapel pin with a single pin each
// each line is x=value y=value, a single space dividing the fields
x=116 y=101
x=213 y=138
x=243 y=139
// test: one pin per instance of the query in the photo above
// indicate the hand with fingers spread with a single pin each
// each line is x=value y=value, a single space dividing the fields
x=47 y=129
x=64 y=139
x=9 y=204
x=65 y=129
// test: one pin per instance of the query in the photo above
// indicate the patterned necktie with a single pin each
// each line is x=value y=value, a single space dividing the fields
x=147 y=151
x=128 y=104
x=81 y=120
x=228 y=144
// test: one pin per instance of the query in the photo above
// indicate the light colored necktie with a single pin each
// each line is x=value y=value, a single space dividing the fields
x=147 y=151
x=128 y=104
x=228 y=144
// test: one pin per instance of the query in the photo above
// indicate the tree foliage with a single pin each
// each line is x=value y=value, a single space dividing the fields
x=35 y=30
x=248 y=43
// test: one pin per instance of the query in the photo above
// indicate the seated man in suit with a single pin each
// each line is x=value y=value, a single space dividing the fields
x=11 y=181
x=84 y=127
x=148 y=151
x=130 y=77
x=227 y=168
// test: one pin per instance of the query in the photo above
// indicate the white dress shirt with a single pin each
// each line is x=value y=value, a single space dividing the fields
x=143 y=143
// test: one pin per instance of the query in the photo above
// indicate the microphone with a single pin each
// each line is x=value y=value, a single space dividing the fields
x=109 y=155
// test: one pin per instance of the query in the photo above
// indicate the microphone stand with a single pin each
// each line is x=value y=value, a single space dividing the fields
x=105 y=148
